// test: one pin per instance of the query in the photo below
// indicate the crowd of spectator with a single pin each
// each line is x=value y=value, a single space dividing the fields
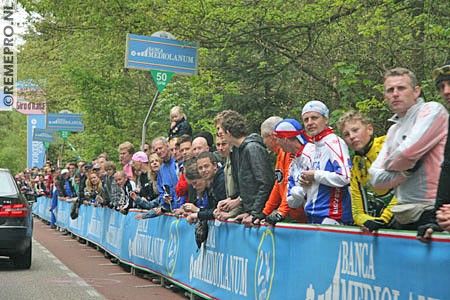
x=389 y=182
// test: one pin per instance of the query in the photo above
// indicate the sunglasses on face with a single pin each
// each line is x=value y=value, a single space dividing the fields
x=445 y=70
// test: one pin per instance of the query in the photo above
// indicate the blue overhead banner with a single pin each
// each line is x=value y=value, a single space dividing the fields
x=35 y=149
x=72 y=122
x=289 y=261
x=44 y=135
x=155 y=53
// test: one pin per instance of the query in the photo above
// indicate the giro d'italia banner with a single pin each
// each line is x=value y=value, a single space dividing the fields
x=284 y=262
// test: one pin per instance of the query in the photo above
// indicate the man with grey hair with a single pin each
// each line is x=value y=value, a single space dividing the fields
x=167 y=177
x=276 y=208
x=410 y=159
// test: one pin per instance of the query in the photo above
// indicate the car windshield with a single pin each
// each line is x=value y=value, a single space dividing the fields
x=7 y=185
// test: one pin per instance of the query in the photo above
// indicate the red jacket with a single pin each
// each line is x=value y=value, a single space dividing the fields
x=182 y=186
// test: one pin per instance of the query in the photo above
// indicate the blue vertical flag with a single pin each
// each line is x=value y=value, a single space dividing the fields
x=35 y=149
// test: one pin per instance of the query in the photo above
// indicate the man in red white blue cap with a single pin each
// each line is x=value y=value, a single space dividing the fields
x=326 y=184
x=292 y=139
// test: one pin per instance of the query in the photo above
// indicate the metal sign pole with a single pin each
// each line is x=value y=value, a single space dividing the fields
x=144 y=126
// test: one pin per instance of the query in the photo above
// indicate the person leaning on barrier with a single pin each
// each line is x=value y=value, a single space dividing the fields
x=197 y=196
x=326 y=184
x=441 y=77
x=411 y=157
x=252 y=168
x=112 y=192
x=370 y=207
x=128 y=186
x=283 y=138
x=94 y=190
x=144 y=186
x=167 y=178
x=212 y=173
x=224 y=151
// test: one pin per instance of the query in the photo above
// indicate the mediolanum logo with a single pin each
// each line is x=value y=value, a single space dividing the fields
x=173 y=247
x=355 y=277
x=265 y=266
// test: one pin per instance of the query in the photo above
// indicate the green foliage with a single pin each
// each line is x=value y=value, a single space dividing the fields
x=13 y=152
x=260 y=58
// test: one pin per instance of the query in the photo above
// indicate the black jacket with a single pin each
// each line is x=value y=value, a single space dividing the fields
x=216 y=192
x=253 y=172
x=181 y=127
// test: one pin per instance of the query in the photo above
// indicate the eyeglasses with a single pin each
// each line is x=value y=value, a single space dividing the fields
x=445 y=70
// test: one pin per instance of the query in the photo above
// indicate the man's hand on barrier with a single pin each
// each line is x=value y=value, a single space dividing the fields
x=240 y=218
x=228 y=204
x=443 y=217
x=221 y=215
x=247 y=220
x=192 y=218
x=258 y=219
x=373 y=225
x=274 y=218
x=138 y=216
x=424 y=232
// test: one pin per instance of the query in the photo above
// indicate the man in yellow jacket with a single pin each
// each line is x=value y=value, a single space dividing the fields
x=370 y=207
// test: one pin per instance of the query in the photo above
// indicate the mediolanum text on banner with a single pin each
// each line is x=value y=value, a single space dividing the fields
x=288 y=261
x=35 y=149
x=155 y=53
x=8 y=62
x=72 y=122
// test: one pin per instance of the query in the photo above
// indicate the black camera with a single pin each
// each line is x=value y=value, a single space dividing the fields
x=166 y=190
x=92 y=194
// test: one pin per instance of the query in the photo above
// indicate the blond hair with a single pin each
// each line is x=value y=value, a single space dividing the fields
x=127 y=146
x=352 y=115
x=178 y=111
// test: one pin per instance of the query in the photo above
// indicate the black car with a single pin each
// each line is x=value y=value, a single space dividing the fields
x=16 y=223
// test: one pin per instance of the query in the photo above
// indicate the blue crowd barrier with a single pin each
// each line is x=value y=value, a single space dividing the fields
x=289 y=261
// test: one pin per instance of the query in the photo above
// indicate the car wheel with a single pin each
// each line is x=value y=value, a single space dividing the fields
x=23 y=261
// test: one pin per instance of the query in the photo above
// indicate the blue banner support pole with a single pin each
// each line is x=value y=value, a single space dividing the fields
x=145 y=125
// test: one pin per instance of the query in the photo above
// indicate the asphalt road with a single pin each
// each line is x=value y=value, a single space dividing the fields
x=48 y=278
x=64 y=268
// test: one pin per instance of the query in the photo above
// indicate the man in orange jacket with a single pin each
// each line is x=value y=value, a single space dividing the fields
x=277 y=208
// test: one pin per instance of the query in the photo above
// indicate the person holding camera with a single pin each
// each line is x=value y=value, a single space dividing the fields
x=128 y=187
x=94 y=191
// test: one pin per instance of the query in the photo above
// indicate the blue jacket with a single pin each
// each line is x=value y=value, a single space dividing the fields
x=167 y=176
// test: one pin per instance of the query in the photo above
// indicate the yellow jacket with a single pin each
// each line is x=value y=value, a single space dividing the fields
x=368 y=203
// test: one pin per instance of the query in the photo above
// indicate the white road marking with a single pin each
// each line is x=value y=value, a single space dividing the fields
x=92 y=293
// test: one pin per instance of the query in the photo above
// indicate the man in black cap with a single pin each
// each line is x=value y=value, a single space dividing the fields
x=441 y=77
